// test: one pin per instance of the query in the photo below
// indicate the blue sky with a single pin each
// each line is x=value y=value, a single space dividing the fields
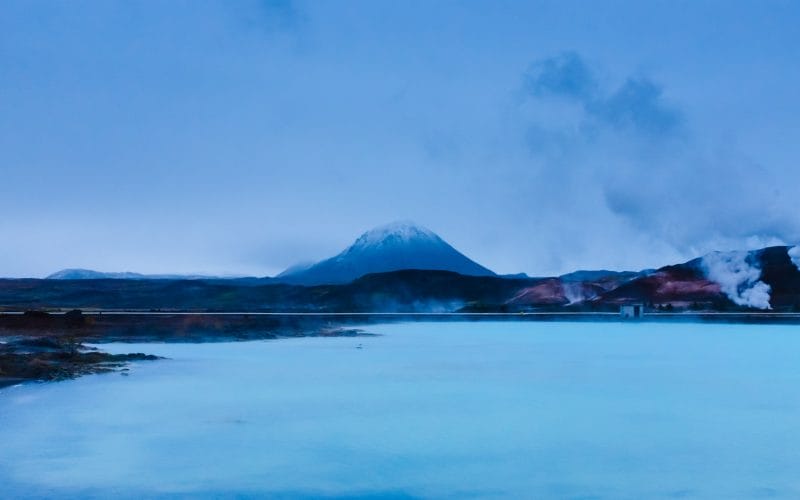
x=241 y=137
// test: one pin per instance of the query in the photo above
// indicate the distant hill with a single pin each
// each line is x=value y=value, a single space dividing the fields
x=403 y=267
x=760 y=279
x=393 y=247
x=397 y=291
x=88 y=274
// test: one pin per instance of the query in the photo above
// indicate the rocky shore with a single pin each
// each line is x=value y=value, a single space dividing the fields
x=38 y=346
x=52 y=358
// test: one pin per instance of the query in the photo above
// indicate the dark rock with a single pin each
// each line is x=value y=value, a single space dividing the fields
x=36 y=314
x=54 y=359
x=75 y=317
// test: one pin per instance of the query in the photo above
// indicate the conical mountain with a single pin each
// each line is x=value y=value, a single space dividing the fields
x=395 y=246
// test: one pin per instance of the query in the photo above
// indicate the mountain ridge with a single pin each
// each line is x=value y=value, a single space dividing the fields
x=764 y=280
x=389 y=264
x=90 y=274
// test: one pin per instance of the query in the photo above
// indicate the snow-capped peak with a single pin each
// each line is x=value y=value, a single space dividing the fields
x=400 y=232
x=393 y=247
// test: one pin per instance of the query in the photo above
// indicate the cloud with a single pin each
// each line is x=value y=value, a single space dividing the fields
x=637 y=104
x=271 y=17
x=629 y=146
x=282 y=12
x=565 y=75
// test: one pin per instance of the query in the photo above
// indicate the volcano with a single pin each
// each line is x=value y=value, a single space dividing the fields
x=393 y=247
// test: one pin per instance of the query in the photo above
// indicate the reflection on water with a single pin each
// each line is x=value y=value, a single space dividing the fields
x=425 y=410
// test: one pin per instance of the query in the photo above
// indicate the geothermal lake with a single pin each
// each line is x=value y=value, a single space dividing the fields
x=484 y=410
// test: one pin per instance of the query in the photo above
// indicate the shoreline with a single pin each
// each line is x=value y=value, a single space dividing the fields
x=52 y=346
x=520 y=315
x=102 y=326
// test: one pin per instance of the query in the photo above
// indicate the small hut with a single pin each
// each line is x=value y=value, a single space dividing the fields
x=631 y=310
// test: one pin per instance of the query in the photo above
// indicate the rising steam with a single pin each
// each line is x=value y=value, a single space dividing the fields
x=573 y=292
x=794 y=254
x=738 y=278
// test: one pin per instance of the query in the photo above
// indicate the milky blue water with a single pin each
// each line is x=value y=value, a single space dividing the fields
x=484 y=410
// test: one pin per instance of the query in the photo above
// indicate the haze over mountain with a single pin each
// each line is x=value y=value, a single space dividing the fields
x=392 y=247
x=649 y=129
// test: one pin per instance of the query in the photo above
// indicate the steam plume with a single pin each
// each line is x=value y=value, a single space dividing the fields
x=794 y=254
x=738 y=278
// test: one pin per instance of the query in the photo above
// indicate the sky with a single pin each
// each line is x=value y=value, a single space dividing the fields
x=241 y=137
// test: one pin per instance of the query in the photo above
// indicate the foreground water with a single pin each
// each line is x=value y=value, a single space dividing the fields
x=525 y=410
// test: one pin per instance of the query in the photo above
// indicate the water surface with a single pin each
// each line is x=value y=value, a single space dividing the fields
x=485 y=410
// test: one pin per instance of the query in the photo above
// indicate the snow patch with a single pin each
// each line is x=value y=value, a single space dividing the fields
x=401 y=232
x=738 y=279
